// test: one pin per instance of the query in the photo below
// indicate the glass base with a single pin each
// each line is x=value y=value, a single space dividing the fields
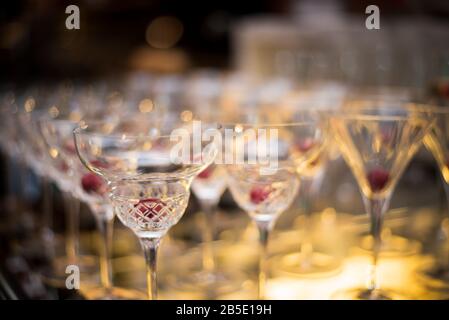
x=434 y=276
x=210 y=285
x=55 y=275
x=393 y=246
x=114 y=293
x=365 y=294
x=315 y=264
x=196 y=281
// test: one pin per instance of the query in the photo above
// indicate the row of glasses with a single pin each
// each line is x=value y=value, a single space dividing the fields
x=377 y=139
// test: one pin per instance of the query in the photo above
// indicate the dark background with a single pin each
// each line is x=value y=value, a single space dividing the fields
x=35 y=45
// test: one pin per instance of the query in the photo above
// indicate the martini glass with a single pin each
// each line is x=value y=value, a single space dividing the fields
x=377 y=140
x=437 y=141
x=263 y=178
x=149 y=173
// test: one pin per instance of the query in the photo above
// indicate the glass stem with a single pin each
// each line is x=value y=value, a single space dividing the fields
x=105 y=227
x=150 y=247
x=376 y=209
x=47 y=212
x=208 y=208
x=264 y=228
x=306 y=248
x=446 y=259
x=71 y=209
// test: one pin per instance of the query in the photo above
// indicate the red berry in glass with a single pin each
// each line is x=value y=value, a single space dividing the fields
x=92 y=183
x=206 y=173
x=305 y=145
x=150 y=208
x=378 y=179
x=259 y=194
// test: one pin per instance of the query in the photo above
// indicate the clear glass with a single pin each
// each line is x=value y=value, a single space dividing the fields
x=437 y=142
x=265 y=185
x=150 y=185
x=377 y=140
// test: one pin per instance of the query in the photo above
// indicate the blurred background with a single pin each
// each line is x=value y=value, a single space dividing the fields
x=313 y=44
x=304 y=39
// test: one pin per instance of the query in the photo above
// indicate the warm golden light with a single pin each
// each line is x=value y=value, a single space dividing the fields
x=164 y=32
x=186 y=115
x=53 y=153
x=146 y=106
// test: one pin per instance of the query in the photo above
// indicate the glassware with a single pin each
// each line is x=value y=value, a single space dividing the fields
x=263 y=180
x=93 y=190
x=150 y=171
x=308 y=261
x=377 y=140
x=63 y=168
x=436 y=275
x=208 y=278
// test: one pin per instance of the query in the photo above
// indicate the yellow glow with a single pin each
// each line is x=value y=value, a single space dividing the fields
x=186 y=115
x=147 y=145
x=75 y=116
x=164 y=32
x=29 y=105
x=238 y=128
x=328 y=216
x=145 y=106
x=96 y=150
x=53 y=153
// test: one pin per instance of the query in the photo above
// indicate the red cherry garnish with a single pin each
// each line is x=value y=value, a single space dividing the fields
x=377 y=179
x=259 y=194
x=92 y=183
x=305 y=145
x=150 y=208
x=206 y=173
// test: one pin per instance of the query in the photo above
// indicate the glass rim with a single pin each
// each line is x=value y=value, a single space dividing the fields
x=82 y=130
x=268 y=124
x=350 y=112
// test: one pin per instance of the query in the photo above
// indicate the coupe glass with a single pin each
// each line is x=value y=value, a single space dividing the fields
x=266 y=187
x=377 y=140
x=437 y=141
x=149 y=171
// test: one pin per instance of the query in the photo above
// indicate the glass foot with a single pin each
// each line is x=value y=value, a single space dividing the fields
x=55 y=275
x=114 y=293
x=393 y=246
x=315 y=264
x=365 y=294
x=434 y=276
x=211 y=285
x=195 y=280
